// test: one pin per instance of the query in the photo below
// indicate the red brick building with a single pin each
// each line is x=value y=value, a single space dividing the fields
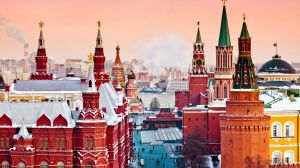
x=41 y=59
x=135 y=105
x=197 y=93
x=49 y=134
x=245 y=130
x=164 y=119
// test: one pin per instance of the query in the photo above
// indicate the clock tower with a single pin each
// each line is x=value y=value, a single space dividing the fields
x=198 y=76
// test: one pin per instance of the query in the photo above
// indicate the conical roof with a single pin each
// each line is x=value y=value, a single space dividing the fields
x=198 y=38
x=224 y=38
x=244 y=32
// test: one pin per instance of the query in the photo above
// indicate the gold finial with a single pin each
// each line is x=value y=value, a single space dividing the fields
x=99 y=24
x=224 y=2
x=244 y=17
x=41 y=24
x=91 y=58
x=117 y=47
x=198 y=23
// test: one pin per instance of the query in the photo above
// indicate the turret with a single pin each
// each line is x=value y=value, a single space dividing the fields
x=41 y=57
x=117 y=69
x=224 y=63
x=99 y=58
x=198 y=55
x=244 y=77
x=244 y=122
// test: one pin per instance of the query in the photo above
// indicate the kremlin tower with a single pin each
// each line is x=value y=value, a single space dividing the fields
x=198 y=76
x=117 y=70
x=224 y=65
x=99 y=61
x=90 y=138
x=41 y=59
x=244 y=127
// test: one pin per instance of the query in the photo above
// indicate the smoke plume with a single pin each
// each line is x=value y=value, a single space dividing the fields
x=171 y=50
x=11 y=30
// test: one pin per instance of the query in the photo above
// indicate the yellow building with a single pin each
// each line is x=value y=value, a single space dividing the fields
x=284 y=126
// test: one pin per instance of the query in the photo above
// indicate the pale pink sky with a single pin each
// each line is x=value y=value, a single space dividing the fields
x=160 y=31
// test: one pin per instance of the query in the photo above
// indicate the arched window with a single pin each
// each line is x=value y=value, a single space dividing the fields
x=225 y=90
x=2 y=142
x=57 y=146
x=225 y=60
x=289 y=156
x=289 y=129
x=7 y=142
x=92 y=143
x=46 y=143
x=60 y=165
x=86 y=143
x=5 y=164
x=21 y=165
x=276 y=157
x=63 y=144
x=44 y=164
x=40 y=143
x=276 y=129
x=88 y=165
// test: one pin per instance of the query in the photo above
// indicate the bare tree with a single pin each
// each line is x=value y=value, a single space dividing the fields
x=256 y=162
x=194 y=151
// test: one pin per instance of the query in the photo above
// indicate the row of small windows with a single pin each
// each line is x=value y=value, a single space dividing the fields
x=43 y=143
x=288 y=157
x=60 y=143
x=44 y=164
x=277 y=129
x=89 y=143
x=4 y=142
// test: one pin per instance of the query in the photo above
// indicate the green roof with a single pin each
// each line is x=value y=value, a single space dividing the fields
x=224 y=38
x=198 y=38
x=244 y=32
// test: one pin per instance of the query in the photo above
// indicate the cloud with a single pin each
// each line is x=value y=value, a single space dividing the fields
x=170 y=50
x=11 y=30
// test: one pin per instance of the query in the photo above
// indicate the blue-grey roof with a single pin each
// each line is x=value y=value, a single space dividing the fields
x=49 y=85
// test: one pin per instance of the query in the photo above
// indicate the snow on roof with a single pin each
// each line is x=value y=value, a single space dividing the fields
x=27 y=113
x=48 y=86
x=23 y=132
x=276 y=101
x=109 y=100
x=91 y=79
x=218 y=103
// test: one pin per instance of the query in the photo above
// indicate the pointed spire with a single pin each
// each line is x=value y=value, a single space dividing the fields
x=198 y=38
x=99 y=38
x=244 y=32
x=91 y=76
x=41 y=41
x=244 y=77
x=224 y=38
x=118 y=59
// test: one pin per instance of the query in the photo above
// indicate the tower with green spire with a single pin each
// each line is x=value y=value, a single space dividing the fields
x=224 y=63
x=244 y=77
x=198 y=61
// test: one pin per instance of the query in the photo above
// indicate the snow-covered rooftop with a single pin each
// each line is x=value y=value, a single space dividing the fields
x=27 y=113
x=22 y=86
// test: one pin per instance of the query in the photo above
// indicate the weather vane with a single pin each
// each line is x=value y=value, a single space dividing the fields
x=91 y=58
x=41 y=25
x=99 y=24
